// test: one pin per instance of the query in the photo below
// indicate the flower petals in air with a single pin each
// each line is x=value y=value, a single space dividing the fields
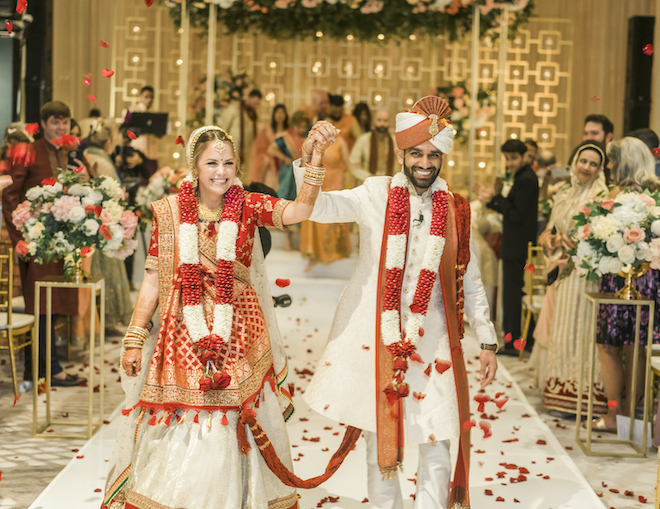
x=130 y=134
x=442 y=366
x=9 y=26
x=519 y=344
x=107 y=73
x=91 y=97
x=282 y=283
x=32 y=128
x=181 y=141
x=21 y=5
x=648 y=50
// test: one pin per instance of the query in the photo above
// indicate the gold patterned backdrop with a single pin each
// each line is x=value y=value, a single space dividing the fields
x=144 y=50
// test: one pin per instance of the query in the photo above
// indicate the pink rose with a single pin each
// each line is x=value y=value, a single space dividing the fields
x=105 y=217
x=129 y=221
x=62 y=207
x=646 y=199
x=22 y=248
x=607 y=204
x=585 y=232
x=585 y=210
x=21 y=214
x=634 y=235
x=172 y=179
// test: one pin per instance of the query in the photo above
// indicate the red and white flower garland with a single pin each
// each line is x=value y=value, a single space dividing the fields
x=395 y=260
x=208 y=341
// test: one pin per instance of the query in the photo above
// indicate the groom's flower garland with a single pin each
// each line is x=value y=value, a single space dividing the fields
x=403 y=346
x=208 y=342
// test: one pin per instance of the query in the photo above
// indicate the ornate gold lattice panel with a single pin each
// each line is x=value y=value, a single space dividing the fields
x=386 y=76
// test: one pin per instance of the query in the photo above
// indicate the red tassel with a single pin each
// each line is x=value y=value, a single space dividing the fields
x=152 y=421
x=196 y=419
x=242 y=437
x=224 y=420
x=256 y=404
x=126 y=411
x=168 y=420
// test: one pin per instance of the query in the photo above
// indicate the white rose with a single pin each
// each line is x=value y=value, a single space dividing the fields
x=643 y=252
x=627 y=255
x=77 y=214
x=114 y=209
x=614 y=243
x=35 y=230
x=604 y=265
x=112 y=187
x=87 y=201
x=615 y=266
x=32 y=247
x=51 y=191
x=655 y=211
x=96 y=197
x=655 y=227
x=90 y=227
x=77 y=190
x=33 y=194
x=117 y=232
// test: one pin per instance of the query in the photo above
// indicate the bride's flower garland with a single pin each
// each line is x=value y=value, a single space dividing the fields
x=403 y=346
x=209 y=342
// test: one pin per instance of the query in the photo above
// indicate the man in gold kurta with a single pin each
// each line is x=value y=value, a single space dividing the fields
x=373 y=152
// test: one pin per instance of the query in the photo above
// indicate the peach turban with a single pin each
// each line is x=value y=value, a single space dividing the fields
x=427 y=121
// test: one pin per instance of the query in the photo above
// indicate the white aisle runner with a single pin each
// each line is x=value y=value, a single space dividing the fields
x=520 y=465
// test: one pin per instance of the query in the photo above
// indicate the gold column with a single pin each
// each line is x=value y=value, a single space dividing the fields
x=210 y=63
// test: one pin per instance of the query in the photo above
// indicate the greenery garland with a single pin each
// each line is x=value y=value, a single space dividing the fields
x=397 y=19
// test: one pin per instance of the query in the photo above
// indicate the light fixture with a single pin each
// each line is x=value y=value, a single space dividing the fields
x=412 y=37
x=270 y=97
x=516 y=72
x=347 y=98
x=546 y=106
x=381 y=37
x=515 y=104
x=486 y=72
x=409 y=101
x=177 y=123
x=319 y=34
x=180 y=30
x=410 y=69
x=514 y=136
x=483 y=134
x=177 y=93
x=136 y=29
x=349 y=37
x=136 y=59
x=545 y=136
x=273 y=65
x=482 y=164
x=547 y=74
x=134 y=91
x=451 y=162
x=179 y=61
x=378 y=69
x=378 y=98
x=176 y=155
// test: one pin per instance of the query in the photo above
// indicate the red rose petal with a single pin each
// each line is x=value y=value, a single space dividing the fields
x=501 y=403
x=91 y=97
x=516 y=500
x=603 y=484
x=17 y=398
x=648 y=50
x=469 y=424
x=595 y=98
x=427 y=371
x=519 y=344
x=97 y=490
x=508 y=337
x=629 y=493
x=107 y=73
x=614 y=490
x=540 y=442
x=104 y=44
x=599 y=494
x=130 y=134
x=21 y=6
x=79 y=170
x=365 y=500
x=442 y=366
x=282 y=283
x=180 y=141
x=612 y=404
x=365 y=347
x=530 y=268
x=9 y=26
x=642 y=499
x=488 y=492
x=149 y=2
x=32 y=128
x=80 y=457
x=499 y=499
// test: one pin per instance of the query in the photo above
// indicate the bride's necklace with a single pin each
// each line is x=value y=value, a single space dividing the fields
x=208 y=341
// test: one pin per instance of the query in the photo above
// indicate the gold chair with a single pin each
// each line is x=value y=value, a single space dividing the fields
x=12 y=325
x=536 y=282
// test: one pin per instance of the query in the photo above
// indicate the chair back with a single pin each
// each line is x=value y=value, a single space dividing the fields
x=7 y=247
x=7 y=283
x=536 y=273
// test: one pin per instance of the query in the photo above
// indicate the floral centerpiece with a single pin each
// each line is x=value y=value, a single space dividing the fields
x=65 y=217
x=615 y=235
x=164 y=182
x=460 y=101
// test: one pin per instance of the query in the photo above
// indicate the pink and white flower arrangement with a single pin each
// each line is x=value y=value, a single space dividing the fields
x=164 y=182
x=614 y=235
x=68 y=215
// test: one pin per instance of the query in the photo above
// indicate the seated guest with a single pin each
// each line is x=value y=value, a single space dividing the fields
x=652 y=142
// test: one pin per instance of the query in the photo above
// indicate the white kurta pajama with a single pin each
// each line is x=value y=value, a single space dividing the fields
x=344 y=385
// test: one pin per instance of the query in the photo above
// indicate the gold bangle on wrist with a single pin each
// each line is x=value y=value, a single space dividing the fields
x=314 y=175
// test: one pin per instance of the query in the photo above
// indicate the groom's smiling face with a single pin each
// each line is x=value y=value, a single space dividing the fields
x=421 y=164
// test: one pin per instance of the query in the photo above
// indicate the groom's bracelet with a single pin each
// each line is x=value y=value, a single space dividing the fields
x=493 y=348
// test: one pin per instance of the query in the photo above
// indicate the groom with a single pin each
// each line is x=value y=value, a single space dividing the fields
x=394 y=364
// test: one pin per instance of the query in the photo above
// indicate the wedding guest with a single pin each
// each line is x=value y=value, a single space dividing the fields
x=601 y=129
x=286 y=149
x=146 y=143
x=49 y=159
x=559 y=330
x=373 y=153
x=531 y=153
x=118 y=306
x=262 y=166
x=240 y=120
x=362 y=114
x=633 y=169
x=318 y=109
x=519 y=211
x=652 y=142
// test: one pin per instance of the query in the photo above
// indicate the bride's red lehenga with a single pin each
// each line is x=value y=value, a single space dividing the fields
x=179 y=446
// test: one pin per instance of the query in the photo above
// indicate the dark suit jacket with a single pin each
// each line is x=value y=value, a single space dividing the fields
x=520 y=210
x=46 y=161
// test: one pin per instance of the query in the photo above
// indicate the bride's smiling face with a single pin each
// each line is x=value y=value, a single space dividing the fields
x=217 y=168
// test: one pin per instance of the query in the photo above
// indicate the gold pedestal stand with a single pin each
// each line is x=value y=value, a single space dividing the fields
x=97 y=287
x=588 y=361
